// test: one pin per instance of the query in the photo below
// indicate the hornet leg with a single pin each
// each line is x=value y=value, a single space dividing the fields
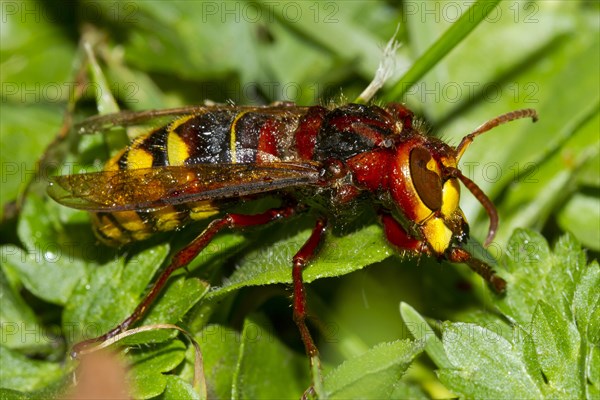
x=398 y=236
x=184 y=257
x=300 y=261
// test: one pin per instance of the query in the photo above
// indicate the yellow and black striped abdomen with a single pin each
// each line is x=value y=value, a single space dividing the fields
x=123 y=227
x=225 y=135
x=171 y=145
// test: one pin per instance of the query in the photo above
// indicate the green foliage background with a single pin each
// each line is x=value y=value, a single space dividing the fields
x=541 y=339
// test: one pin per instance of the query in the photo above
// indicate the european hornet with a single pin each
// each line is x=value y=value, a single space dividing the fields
x=328 y=159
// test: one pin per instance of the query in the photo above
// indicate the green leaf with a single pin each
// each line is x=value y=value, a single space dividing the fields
x=557 y=345
x=110 y=294
x=586 y=303
x=549 y=352
x=593 y=372
x=52 y=392
x=485 y=365
x=177 y=389
x=405 y=390
x=265 y=367
x=9 y=394
x=50 y=265
x=374 y=374
x=21 y=373
x=179 y=297
x=536 y=273
x=170 y=308
x=524 y=344
x=18 y=321
x=22 y=124
x=528 y=265
x=149 y=364
x=220 y=350
x=177 y=300
x=421 y=331
x=547 y=172
x=35 y=83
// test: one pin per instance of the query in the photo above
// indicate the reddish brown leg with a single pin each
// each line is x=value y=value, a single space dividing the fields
x=300 y=260
x=396 y=235
x=481 y=268
x=184 y=257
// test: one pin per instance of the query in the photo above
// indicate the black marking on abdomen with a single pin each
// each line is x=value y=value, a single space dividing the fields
x=207 y=137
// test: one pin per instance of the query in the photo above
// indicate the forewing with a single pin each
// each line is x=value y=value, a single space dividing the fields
x=150 y=188
x=103 y=123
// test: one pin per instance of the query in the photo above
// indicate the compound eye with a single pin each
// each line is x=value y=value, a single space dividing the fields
x=426 y=180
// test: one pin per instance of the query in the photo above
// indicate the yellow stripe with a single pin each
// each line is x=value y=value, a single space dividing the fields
x=177 y=149
x=232 y=138
x=179 y=121
x=138 y=158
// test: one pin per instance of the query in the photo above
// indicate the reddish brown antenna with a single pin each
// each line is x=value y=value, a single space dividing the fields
x=482 y=198
x=492 y=123
x=469 y=184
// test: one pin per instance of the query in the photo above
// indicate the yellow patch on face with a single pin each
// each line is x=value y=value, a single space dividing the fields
x=437 y=234
x=450 y=197
x=432 y=165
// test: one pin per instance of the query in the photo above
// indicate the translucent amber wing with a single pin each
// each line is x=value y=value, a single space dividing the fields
x=149 y=188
